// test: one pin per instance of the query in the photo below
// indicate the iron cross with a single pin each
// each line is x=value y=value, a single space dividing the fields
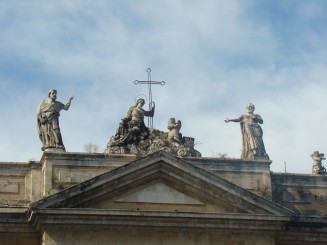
x=149 y=83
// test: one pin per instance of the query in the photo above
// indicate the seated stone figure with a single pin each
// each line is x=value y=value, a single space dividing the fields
x=132 y=128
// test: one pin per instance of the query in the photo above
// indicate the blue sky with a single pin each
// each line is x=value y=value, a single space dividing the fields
x=215 y=57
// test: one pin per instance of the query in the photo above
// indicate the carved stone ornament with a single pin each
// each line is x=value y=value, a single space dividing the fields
x=143 y=141
x=252 y=142
x=48 y=114
x=317 y=168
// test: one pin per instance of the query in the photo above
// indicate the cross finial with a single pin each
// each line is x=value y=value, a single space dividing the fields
x=149 y=83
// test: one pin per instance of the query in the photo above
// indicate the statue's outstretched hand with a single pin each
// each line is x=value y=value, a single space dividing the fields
x=70 y=98
x=226 y=120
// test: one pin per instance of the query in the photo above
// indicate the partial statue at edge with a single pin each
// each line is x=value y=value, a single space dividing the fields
x=48 y=121
x=317 y=168
x=252 y=142
x=132 y=128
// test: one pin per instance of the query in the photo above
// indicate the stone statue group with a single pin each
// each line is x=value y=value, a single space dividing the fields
x=133 y=136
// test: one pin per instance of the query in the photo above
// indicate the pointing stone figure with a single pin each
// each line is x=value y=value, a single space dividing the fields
x=252 y=143
x=48 y=121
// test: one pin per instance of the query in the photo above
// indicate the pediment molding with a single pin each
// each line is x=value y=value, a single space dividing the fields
x=95 y=219
x=173 y=171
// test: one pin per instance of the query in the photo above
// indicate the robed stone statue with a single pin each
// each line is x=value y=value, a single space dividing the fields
x=48 y=114
x=252 y=142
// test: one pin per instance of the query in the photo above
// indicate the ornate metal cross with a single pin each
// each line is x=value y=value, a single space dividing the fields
x=149 y=83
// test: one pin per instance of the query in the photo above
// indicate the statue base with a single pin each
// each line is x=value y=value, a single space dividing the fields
x=156 y=141
x=266 y=157
x=55 y=150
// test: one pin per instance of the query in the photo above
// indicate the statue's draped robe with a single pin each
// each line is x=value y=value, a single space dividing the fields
x=252 y=143
x=48 y=123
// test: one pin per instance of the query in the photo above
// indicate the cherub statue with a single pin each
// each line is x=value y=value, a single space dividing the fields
x=317 y=167
x=174 y=135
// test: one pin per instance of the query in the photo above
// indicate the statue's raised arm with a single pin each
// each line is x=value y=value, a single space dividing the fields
x=67 y=105
x=227 y=120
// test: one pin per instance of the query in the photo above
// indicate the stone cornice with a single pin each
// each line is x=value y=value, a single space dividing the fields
x=138 y=220
x=14 y=221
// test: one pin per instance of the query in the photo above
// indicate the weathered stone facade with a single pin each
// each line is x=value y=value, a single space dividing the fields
x=79 y=198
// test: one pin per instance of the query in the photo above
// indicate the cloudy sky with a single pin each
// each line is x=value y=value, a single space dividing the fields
x=215 y=56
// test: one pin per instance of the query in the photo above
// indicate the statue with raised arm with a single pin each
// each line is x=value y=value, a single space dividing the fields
x=132 y=128
x=48 y=114
x=252 y=142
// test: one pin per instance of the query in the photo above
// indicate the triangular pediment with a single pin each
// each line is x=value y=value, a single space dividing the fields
x=158 y=193
x=161 y=181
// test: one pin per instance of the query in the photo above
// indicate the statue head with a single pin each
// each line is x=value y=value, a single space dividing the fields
x=172 y=120
x=140 y=101
x=317 y=154
x=52 y=94
x=250 y=107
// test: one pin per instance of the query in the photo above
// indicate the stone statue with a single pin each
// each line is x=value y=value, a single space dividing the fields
x=252 y=143
x=132 y=128
x=317 y=167
x=174 y=128
x=48 y=114
x=133 y=137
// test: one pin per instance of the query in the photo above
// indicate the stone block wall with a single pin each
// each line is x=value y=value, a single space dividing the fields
x=153 y=238
x=23 y=183
x=252 y=175
x=305 y=193
x=62 y=170
x=20 y=183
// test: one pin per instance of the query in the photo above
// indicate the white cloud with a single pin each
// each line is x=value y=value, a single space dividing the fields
x=215 y=56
